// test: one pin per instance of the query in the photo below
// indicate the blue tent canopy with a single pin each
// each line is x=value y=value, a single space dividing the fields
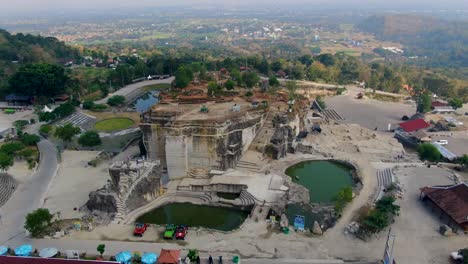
x=3 y=250
x=23 y=250
x=149 y=258
x=124 y=257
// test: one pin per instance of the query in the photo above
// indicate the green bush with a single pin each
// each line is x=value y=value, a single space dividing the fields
x=12 y=147
x=30 y=139
x=25 y=153
x=88 y=104
x=99 y=107
x=342 y=198
x=229 y=84
x=38 y=221
x=116 y=100
x=248 y=94
x=90 y=139
x=380 y=217
x=429 y=152
x=20 y=124
x=45 y=129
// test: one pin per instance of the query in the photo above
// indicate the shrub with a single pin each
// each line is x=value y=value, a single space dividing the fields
x=342 y=198
x=229 y=84
x=429 y=152
x=25 y=153
x=66 y=132
x=380 y=217
x=99 y=107
x=20 y=124
x=116 y=100
x=45 y=129
x=12 y=147
x=320 y=102
x=30 y=139
x=88 y=104
x=37 y=221
x=248 y=94
x=89 y=139
x=6 y=161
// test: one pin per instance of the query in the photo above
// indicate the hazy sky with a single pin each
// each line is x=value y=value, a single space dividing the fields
x=18 y=6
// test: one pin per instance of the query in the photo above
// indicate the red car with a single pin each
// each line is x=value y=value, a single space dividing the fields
x=139 y=229
x=181 y=232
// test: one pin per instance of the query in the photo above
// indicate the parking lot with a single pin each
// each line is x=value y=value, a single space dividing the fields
x=368 y=113
x=416 y=229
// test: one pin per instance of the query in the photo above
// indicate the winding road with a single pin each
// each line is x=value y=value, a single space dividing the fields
x=29 y=196
x=131 y=91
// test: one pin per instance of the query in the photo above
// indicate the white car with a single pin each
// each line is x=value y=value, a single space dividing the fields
x=442 y=142
x=456 y=256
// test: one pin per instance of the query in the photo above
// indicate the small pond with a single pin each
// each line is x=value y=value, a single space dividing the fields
x=219 y=218
x=323 y=179
x=146 y=101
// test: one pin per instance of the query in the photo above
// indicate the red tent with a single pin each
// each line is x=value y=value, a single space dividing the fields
x=169 y=256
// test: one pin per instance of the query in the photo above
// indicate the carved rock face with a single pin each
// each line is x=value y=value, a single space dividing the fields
x=101 y=201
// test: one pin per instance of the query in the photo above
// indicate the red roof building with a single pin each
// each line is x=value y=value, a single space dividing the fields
x=169 y=256
x=450 y=201
x=33 y=260
x=438 y=104
x=414 y=125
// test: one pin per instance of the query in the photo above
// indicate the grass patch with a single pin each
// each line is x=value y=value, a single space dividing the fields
x=158 y=86
x=114 y=124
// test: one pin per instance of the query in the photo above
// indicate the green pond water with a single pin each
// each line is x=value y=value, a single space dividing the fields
x=219 y=218
x=323 y=179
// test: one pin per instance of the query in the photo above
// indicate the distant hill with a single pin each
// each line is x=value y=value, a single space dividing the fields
x=445 y=43
x=20 y=49
x=28 y=48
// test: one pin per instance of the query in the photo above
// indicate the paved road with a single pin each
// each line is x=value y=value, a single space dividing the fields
x=131 y=91
x=29 y=196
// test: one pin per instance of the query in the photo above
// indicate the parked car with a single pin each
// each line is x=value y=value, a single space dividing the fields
x=181 y=232
x=456 y=257
x=170 y=231
x=442 y=142
x=140 y=229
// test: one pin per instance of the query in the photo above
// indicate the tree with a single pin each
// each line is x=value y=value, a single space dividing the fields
x=320 y=102
x=30 y=139
x=456 y=103
x=116 y=100
x=88 y=104
x=183 y=77
x=464 y=253
x=424 y=103
x=66 y=132
x=264 y=66
x=375 y=221
x=229 y=84
x=429 y=152
x=90 y=139
x=250 y=79
x=326 y=59
x=213 y=89
x=342 y=198
x=463 y=161
x=12 y=147
x=273 y=81
x=386 y=205
x=40 y=79
x=101 y=248
x=291 y=86
x=37 y=221
x=6 y=161
x=236 y=76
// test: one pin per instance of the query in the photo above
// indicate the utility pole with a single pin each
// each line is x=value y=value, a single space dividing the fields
x=388 y=252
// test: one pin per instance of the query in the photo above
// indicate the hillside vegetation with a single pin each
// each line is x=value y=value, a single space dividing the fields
x=443 y=42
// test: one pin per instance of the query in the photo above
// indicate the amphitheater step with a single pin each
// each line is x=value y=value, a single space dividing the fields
x=7 y=188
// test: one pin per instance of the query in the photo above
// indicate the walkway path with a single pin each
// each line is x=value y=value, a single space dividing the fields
x=130 y=91
x=28 y=196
